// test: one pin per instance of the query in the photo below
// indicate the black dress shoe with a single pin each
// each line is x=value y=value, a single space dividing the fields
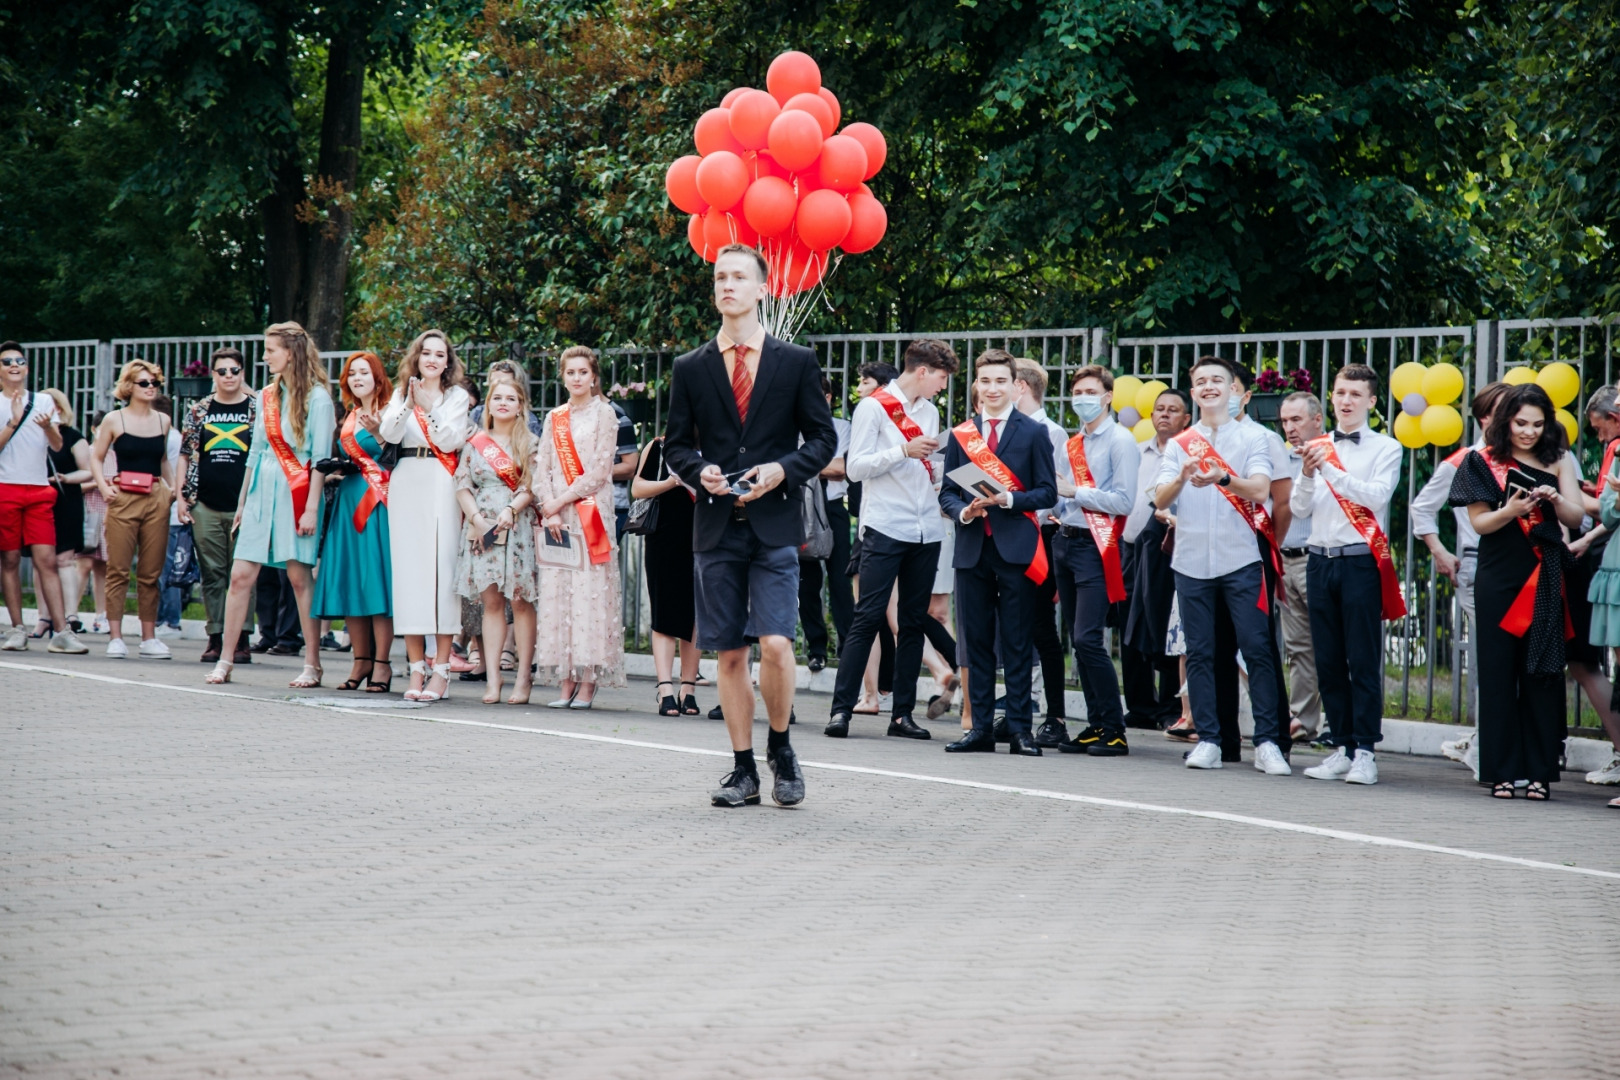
x=816 y=663
x=838 y=726
x=905 y=727
x=283 y=650
x=1022 y=744
x=1003 y=733
x=1053 y=733
x=716 y=713
x=1112 y=745
x=977 y=741
x=262 y=645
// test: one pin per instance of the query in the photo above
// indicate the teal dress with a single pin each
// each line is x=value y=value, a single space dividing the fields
x=356 y=568
x=269 y=535
x=1604 y=592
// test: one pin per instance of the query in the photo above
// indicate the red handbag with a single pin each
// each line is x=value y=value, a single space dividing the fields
x=137 y=483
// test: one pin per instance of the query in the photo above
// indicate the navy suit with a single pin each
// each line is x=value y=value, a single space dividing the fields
x=990 y=581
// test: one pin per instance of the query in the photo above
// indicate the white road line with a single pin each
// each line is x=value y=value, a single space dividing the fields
x=1005 y=789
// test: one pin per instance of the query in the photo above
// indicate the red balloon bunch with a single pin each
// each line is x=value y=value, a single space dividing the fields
x=773 y=170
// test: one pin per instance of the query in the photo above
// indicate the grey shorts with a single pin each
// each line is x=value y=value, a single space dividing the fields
x=744 y=589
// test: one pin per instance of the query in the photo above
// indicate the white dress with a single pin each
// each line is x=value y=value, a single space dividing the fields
x=424 y=520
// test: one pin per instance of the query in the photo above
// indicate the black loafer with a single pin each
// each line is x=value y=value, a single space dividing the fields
x=837 y=727
x=904 y=727
x=977 y=741
x=1023 y=745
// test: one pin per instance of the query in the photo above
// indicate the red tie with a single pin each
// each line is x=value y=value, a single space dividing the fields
x=992 y=442
x=742 y=383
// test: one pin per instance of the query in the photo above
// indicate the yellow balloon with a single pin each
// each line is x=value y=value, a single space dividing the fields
x=1407 y=379
x=1143 y=430
x=1126 y=387
x=1561 y=382
x=1147 y=396
x=1573 y=428
x=1519 y=376
x=1442 y=384
x=1441 y=425
x=1409 y=431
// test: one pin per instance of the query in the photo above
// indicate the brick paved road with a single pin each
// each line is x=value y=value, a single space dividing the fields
x=202 y=885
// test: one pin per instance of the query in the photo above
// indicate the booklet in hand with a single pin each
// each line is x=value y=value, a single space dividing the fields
x=975 y=480
x=559 y=554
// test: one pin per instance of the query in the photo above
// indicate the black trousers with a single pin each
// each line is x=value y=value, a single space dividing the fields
x=1254 y=635
x=1084 y=567
x=1152 y=687
x=840 y=597
x=995 y=590
x=886 y=561
x=1048 y=645
x=1347 y=624
x=277 y=608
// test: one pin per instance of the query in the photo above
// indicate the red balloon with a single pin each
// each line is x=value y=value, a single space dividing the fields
x=799 y=269
x=732 y=95
x=720 y=229
x=721 y=179
x=832 y=103
x=866 y=190
x=694 y=236
x=792 y=73
x=751 y=116
x=762 y=164
x=843 y=163
x=681 y=184
x=868 y=222
x=770 y=205
x=713 y=133
x=808 y=181
x=817 y=108
x=877 y=151
x=823 y=219
x=795 y=139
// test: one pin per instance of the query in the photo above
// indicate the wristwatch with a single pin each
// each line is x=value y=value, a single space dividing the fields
x=1225 y=480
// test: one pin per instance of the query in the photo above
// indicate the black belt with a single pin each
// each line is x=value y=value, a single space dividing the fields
x=416 y=451
x=1340 y=552
x=1292 y=553
x=1072 y=531
x=739 y=511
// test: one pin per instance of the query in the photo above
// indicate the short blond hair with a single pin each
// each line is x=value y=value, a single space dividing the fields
x=1031 y=375
x=63 y=406
x=126 y=378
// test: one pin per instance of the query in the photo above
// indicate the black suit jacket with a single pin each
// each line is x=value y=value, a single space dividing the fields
x=704 y=429
x=1026 y=449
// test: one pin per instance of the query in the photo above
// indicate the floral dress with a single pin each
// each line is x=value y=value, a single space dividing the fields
x=509 y=566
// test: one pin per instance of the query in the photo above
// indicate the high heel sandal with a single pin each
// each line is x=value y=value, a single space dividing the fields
x=417 y=667
x=1502 y=790
x=221 y=673
x=523 y=698
x=1538 y=791
x=308 y=679
x=440 y=671
x=667 y=705
x=375 y=687
x=689 y=705
x=354 y=684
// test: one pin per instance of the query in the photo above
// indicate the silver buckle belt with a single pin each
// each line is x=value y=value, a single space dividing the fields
x=1339 y=552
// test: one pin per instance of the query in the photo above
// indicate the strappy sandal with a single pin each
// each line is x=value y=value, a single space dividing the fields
x=375 y=687
x=221 y=673
x=308 y=679
x=1538 y=791
x=508 y=660
x=354 y=684
x=1503 y=790
x=1181 y=732
x=440 y=671
x=417 y=667
x=689 y=705
x=667 y=705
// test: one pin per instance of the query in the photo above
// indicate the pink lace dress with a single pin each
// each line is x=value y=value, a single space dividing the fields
x=581 y=632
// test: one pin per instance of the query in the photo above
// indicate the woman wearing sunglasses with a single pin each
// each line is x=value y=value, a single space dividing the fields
x=138 y=496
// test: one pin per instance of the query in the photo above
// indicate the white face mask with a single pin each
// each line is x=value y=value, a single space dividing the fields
x=1087 y=406
x=1234 y=405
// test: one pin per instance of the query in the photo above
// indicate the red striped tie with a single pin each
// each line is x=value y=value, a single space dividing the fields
x=742 y=383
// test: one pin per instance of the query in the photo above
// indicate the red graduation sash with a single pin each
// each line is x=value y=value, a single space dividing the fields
x=978 y=452
x=498 y=459
x=1523 y=610
x=376 y=480
x=1105 y=529
x=590 y=518
x=296 y=472
x=447 y=460
x=908 y=427
x=1199 y=449
x=1366 y=524
x=1608 y=460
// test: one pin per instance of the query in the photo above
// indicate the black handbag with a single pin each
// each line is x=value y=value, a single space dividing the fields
x=643 y=516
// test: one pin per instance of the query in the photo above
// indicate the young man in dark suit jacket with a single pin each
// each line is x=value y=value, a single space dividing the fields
x=996 y=542
x=738 y=408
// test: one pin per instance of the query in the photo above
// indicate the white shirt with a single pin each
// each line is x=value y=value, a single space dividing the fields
x=1212 y=538
x=447 y=421
x=1059 y=437
x=1147 y=475
x=837 y=489
x=1113 y=460
x=1372 y=468
x=1299 y=525
x=1426 y=507
x=898 y=497
x=173 y=455
x=22 y=459
x=1275 y=447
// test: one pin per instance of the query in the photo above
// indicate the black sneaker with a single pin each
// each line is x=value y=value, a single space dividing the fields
x=737 y=788
x=1111 y=745
x=816 y=663
x=717 y=713
x=1083 y=742
x=1053 y=733
x=789 y=786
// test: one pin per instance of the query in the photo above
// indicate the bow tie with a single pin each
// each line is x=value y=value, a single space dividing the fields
x=1347 y=436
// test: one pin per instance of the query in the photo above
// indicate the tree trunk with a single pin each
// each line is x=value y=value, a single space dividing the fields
x=284 y=254
x=331 y=210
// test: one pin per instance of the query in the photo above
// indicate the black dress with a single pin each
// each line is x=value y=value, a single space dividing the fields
x=69 y=509
x=667 y=555
x=1521 y=678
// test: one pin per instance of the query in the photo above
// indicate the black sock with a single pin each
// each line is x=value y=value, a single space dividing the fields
x=776 y=740
x=745 y=761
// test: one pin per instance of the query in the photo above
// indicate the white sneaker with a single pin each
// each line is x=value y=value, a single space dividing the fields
x=1206 y=755
x=1364 y=770
x=1609 y=774
x=167 y=631
x=1457 y=749
x=117 y=650
x=67 y=642
x=155 y=650
x=16 y=640
x=1268 y=758
x=1336 y=767
x=99 y=625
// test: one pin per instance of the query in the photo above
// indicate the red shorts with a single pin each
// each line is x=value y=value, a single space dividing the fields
x=26 y=516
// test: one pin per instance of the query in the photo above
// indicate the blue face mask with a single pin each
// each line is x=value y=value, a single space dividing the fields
x=1234 y=404
x=1087 y=406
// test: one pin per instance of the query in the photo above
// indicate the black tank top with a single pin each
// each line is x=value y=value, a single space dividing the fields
x=141 y=453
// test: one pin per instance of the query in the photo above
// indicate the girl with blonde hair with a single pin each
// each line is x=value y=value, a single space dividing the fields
x=278 y=513
x=427 y=418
